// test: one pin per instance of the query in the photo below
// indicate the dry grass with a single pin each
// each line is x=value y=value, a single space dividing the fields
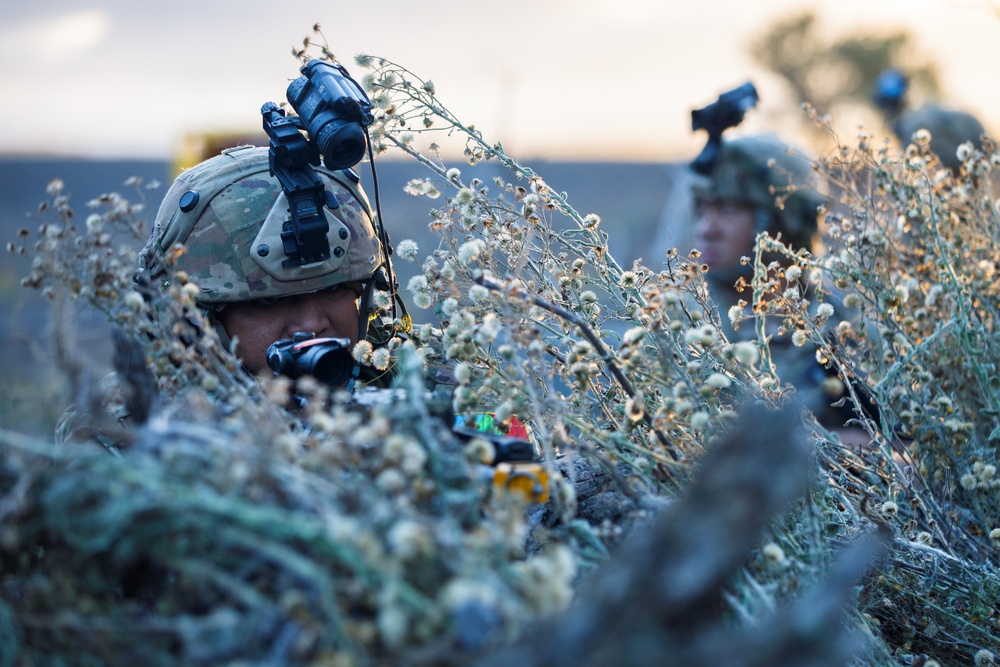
x=225 y=529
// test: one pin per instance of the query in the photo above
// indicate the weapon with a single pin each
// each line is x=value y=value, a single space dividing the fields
x=517 y=467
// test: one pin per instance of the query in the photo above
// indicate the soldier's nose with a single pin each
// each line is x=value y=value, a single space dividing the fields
x=310 y=315
x=707 y=226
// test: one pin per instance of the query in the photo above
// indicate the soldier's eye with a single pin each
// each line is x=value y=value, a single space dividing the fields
x=355 y=287
x=266 y=301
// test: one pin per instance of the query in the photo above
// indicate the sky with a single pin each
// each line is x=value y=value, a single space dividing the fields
x=560 y=79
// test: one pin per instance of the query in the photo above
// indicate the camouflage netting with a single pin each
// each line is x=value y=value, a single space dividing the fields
x=698 y=513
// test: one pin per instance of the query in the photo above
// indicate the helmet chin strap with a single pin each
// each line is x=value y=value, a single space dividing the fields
x=364 y=320
x=763 y=219
x=224 y=337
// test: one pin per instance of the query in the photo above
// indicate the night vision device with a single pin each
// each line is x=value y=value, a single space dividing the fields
x=716 y=118
x=333 y=115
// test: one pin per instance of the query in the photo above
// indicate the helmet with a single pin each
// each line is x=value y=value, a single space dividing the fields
x=757 y=171
x=949 y=129
x=228 y=213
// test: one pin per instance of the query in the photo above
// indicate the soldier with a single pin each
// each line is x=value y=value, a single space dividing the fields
x=759 y=184
x=736 y=201
x=224 y=217
x=949 y=128
x=220 y=223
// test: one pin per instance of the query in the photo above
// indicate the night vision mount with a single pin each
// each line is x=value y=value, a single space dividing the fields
x=716 y=118
x=333 y=114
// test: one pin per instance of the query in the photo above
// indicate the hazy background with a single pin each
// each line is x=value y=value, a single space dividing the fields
x=594 y=94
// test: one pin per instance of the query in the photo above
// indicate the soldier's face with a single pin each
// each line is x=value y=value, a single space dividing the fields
x=331 y=312
x=724 y=232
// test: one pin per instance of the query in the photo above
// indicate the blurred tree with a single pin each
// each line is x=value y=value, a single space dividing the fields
x=828 y=74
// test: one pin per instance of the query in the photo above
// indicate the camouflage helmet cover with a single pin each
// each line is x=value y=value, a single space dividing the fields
x=230 y=231
x=759 y=171
x=949 y=129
